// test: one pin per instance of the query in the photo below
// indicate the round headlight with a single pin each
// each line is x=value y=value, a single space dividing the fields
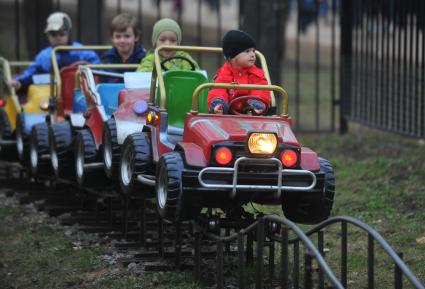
x=262 y=143
x=44 y=104
x=140 y=107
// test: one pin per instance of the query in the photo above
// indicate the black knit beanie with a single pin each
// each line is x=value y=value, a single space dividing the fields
x=236 y=41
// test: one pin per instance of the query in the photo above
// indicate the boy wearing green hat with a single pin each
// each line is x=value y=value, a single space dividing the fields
x=167 y=32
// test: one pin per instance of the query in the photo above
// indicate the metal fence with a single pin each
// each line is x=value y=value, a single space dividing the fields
x=275 y=235
x=383 y=65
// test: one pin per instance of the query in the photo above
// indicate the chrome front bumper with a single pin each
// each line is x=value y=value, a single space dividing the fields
x=244 y=160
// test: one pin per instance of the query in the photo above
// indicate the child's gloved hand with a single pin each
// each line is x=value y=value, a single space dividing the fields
x=218 y=109
x=218 y=106
x=257 y=106
x=16 y=84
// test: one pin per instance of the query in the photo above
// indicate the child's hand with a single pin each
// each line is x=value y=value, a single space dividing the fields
x=16 y=84
x=257 y=106
x=218 y=109
x=218 y=106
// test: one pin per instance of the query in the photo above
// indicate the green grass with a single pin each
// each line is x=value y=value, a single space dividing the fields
x=36 y=254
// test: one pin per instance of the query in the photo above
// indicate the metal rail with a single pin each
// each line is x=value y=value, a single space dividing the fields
x=264 y=227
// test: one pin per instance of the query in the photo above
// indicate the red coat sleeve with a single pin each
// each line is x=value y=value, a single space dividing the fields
x=219 y=92
x=263 y=94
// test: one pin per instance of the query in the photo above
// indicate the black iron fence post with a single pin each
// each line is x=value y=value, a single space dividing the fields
x=284 y=259
x=266 y=22
x=241 y=255
x=260 y=253
x=344 y=249
x=90 y=21
x=346 y=56
x=398 y=275
x=219 y=264
x=308 y=271
x=197 y=255
x=371 y=263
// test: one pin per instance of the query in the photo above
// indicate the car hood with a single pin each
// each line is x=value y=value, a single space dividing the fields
x=206 y=130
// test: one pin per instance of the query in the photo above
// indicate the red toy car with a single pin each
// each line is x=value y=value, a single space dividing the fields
x=49 y=140
x=201 y=160
x=112 y=113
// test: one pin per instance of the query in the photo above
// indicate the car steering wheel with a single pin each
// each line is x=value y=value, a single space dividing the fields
x=192 y=65
x=240 y=106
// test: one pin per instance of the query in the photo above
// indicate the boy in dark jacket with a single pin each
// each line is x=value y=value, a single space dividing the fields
x=58 y=31
x=239 y=51
x=124 y=36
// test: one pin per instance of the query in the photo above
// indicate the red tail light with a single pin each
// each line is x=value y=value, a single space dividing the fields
x=223 y=156
x=289 y=158
x=2 y=102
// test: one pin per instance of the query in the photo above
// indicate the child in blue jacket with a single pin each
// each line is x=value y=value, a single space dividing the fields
x=58 y=31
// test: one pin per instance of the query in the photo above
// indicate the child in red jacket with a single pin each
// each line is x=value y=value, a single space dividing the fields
x=239 y=51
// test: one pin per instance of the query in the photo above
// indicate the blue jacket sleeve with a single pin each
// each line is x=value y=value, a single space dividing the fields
x=90 y=56
x=37 y=67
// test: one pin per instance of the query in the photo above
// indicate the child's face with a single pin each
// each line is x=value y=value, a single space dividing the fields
x=124 y=41
x=166 y=38
x=245 y=59
x=57 y=38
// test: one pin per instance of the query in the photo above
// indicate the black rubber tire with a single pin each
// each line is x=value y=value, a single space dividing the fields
x=39 y=147
x=61 y=149
x=312 y=208
x=172 y=202
x=7 y=153
x=5 y=128
x=136 y=159
x=86 y=152
x=111 y=149
x=22 y=143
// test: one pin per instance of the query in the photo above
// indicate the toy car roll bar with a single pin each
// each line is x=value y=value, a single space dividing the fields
x=7 y=77
x=278 y=89
x=55 y=65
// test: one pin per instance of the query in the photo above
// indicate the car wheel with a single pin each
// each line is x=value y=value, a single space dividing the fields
x=7 y=152
x=85 y=153
x=312 y=207
x=61 y=149
x=39 y=150
x=21 y=139
x=136 y=159
x=111 y=149
x=5 y=129
x=172 y=202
